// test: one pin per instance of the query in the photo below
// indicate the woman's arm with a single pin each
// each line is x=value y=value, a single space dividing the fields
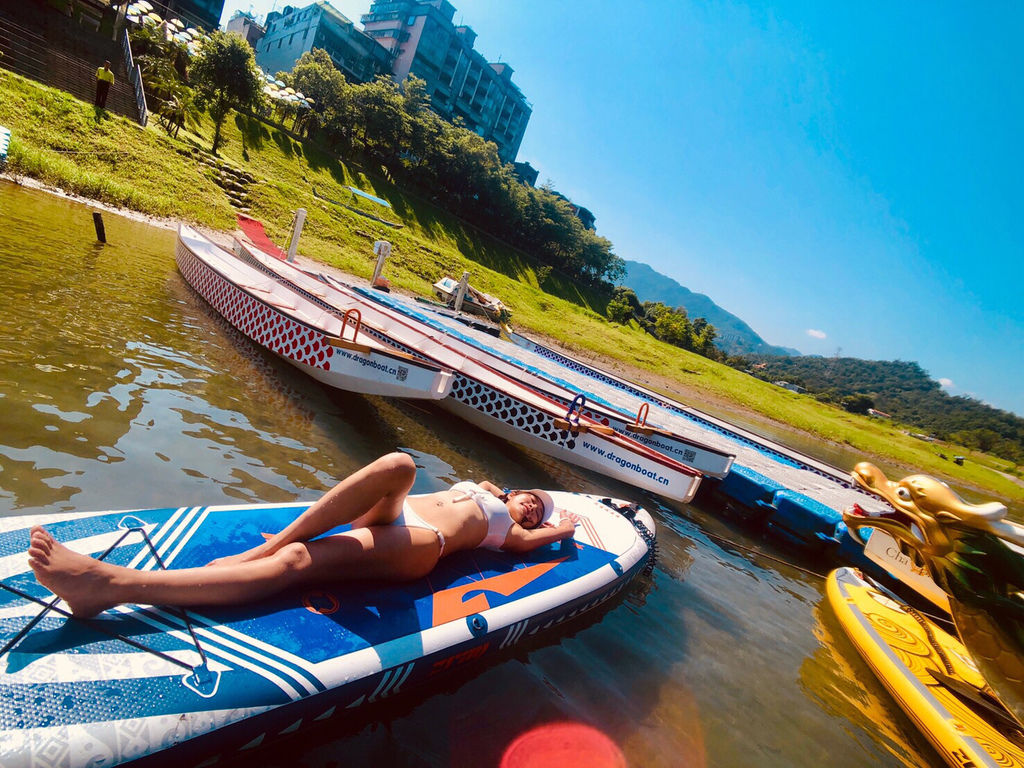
x=521 y=539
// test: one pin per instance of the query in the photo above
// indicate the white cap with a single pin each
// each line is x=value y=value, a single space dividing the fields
x=546 y=501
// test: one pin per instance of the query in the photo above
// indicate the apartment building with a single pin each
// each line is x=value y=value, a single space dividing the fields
x=423 y=40
x=293 y=31
x=247 y=27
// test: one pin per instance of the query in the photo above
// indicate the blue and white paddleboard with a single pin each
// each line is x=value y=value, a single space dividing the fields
x=138 y=680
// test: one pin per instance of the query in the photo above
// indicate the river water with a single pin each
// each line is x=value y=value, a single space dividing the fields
x=121 y=389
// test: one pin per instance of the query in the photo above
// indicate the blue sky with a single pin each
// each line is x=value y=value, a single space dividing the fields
x=842 y=176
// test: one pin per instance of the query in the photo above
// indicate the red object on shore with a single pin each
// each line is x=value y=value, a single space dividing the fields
x=253 y=229
x=563 y=745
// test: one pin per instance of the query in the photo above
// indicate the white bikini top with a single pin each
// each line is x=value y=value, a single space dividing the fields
x=499 y=522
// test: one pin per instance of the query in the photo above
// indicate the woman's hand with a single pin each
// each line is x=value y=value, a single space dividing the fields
x=566 y=527
x=564 y=530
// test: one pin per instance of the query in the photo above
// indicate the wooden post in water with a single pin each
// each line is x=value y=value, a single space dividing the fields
x=97 y=222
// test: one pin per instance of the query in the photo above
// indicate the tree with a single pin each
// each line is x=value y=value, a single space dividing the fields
x=624 y=305
x=618 y=311
x=423 y=121
x=179 y=109
x=629 y=297
x=316 y=76
x=225 y=78
x=674 y=327
x=163 y=63
x=858 y=403
x=380 y=110
x=704 y=335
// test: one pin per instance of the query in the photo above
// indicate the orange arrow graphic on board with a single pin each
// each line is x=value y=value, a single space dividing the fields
x=451 y=604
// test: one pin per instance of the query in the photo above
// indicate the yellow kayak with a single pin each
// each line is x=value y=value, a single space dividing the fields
x=929 y=673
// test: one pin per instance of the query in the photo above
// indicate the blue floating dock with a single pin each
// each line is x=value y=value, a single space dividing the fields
x=792 y=516
x=749 y=487
x=810 y=522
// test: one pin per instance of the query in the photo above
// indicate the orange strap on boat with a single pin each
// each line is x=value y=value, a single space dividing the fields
x=639 y=425
x=354 y=312
x=641 y=415
x=341 y=341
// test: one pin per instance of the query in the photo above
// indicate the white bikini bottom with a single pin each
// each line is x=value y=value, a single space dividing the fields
x=410 y=519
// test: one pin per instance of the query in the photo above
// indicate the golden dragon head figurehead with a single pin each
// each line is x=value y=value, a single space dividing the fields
x=929 y=512
x=975 y=555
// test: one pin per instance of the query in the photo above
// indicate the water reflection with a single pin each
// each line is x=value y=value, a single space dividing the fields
x=837 y=679
x=119 y=388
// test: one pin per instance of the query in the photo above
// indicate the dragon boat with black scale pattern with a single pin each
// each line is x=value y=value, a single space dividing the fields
x=302 y=333
x=505 y=358
x=667 y=407
x=497 y=402
x=153 y=686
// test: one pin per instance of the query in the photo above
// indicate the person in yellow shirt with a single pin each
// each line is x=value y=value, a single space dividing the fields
x=104 y=79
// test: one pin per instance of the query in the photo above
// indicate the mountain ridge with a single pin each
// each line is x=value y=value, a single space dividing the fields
x=734 y=337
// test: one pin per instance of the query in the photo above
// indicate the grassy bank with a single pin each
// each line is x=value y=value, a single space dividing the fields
x=59 y=140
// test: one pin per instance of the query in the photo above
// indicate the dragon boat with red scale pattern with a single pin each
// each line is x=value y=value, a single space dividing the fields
x=296 y=329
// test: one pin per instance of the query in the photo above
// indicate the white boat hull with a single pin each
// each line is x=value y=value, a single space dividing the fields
x=705 y=459
x=314 y=350
x=511 y=419
x=500 y=404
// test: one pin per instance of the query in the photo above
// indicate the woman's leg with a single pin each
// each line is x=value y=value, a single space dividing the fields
x=90 y=586
x=371 y=496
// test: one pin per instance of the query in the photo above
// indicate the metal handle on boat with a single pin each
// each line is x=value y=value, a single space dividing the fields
x=576 y=408
x=354 y=312
x=576 y=428
x=572 y=419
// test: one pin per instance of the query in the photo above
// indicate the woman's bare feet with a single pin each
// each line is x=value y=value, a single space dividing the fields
x=83 y=582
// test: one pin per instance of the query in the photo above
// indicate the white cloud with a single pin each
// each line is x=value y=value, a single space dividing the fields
x=947 y=383
x=816 y=334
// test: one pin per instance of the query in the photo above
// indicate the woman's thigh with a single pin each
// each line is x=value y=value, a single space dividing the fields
x=390 y=478
x=389 y=552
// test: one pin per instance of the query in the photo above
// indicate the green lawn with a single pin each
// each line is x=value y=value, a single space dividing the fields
x=59 y=140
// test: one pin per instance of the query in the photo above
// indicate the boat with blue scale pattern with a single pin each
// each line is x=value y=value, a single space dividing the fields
x=152 y=686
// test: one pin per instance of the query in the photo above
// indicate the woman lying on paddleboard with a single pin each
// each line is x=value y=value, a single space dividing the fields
x=394 y=536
